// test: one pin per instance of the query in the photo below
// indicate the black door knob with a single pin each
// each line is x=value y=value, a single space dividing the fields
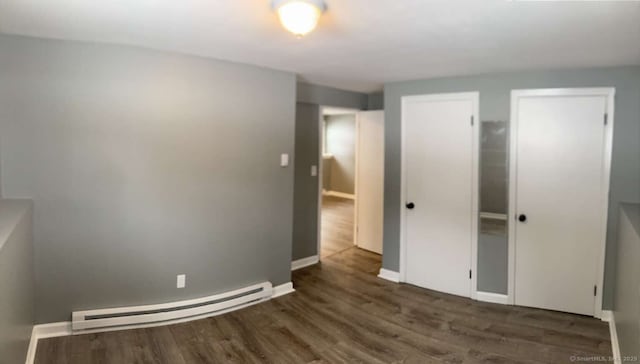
x=522 y=218
x=410 y=205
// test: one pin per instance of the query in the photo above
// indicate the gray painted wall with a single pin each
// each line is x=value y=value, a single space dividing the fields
x=494 y=105
x=627 y=280
x=376 y=101
x=143 y=165
x=310 y=98
x=492 y=262
x=17 y=306
x=329 y=96
x=341 y=143
x=305 y=207
x=1 y=194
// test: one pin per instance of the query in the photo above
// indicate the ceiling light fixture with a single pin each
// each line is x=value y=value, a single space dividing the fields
x=299 y=17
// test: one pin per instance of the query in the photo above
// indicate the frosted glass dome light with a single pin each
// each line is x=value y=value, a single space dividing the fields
x=299 y=17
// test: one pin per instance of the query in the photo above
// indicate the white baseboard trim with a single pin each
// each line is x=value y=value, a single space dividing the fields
x=304 y=262
x=282 y=290
x=33 y=344
x=502 y=299
x=44 y=331
x=339 y=194
x=64 y=328
x=56 y=329
x=389 y=275
x=609 y=317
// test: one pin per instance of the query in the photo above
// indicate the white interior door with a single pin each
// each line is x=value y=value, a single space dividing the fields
x=440 y=171
x=559 y=190
x=370 y=180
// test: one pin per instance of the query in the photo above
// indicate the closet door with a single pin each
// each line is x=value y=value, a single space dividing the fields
x=440 y=174
x=559 y=198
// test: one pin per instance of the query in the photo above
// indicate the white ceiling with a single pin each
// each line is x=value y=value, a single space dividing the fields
x=359 y=44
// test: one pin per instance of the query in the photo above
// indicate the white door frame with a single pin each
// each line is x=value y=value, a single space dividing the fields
x=320 y=179
x=474 y=97
x=516 y=95
x=321 y=111
x=355 y=181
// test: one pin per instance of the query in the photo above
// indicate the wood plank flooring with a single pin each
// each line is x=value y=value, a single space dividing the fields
x=336 y=224
x=342 y=313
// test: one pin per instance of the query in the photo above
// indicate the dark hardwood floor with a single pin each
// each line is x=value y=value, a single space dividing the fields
x=336 y=224
x=342 y=313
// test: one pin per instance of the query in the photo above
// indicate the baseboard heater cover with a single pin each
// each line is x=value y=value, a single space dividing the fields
x=147 y=314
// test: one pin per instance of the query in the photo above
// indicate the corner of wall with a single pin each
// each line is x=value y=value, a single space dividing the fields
x=375 y=101
x=330 y=96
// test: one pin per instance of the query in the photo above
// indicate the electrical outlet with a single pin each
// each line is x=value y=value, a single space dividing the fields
x=314 y=171
x=181 y=281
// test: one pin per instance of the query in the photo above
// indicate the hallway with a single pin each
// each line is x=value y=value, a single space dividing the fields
x=337 y=225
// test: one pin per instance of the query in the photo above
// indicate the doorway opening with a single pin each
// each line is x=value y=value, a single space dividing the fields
x=350 y=192
x=338 y=180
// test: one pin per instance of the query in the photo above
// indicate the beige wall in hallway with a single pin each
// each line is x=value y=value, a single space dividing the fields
x=341 y=143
